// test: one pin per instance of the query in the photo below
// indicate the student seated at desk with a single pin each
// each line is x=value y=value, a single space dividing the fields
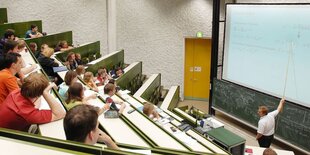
x=117 y=73
x=34 y=49
x=70 y=61
x=76 y=95
x=18 y=111
x=9 y=34
x=21 y=47
x=33 y=32
x=150 y=111
x=48 y=63
x=81 y=125
x=109 y=91
x=90 y=81
x=80 y=70
x=102 y=77
x=70 y=78
x=11 y=47
x=63 y=46
x=8 y=81
x=78 y=58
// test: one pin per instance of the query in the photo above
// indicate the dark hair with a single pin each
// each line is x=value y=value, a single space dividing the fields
x=269 y=151
x=108 y=87
x=80 y=121
x=112 y=81
x=33 y=45
x=70 y=75
x=75 y=92
x=33 y=26
x=8 y=33
x=10 y=45
x=11 y=58
x=34 y=85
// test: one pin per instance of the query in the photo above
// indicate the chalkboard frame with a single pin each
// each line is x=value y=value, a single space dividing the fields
x=224 y=38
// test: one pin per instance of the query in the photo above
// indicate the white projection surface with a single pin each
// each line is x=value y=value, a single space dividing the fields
x=267 y=48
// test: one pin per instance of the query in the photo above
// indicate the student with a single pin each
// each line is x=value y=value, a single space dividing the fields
x=8 y=35
x=266 y=124
x=34 y=49
x=81 y=125
x=47 y=62
x=118 y=72
x=63 y=46
x=103 y=77
x=80 y=70
x=109 y=91
x=89 y=80
x=21 y=46
x=76 y=95
x=70 y=78
x=43 y=47
x=269 y=151
x=33 y=32
x=18 y=111
x=8 y=81
x=10 y=46
x=78 y=59
x=150 y=111
x=71 y=63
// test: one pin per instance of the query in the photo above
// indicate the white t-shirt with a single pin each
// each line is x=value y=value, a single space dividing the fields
x=266 y=124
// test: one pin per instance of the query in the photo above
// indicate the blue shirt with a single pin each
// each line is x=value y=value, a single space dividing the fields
x=63 y=88
x=30 y=32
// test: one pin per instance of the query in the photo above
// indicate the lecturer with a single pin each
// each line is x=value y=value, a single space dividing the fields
x=266 y=124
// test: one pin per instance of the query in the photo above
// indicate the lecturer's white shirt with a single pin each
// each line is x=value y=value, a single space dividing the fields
x=266 y=124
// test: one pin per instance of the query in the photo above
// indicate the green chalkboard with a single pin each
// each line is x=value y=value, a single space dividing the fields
x=293 y=124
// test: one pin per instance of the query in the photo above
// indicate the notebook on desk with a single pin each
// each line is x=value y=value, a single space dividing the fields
x=60 y=69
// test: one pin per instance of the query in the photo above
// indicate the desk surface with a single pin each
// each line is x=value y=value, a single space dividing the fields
x=225 y=137
x=260 y=150
x=160 y=137
x=121 y=132
x=13 y=146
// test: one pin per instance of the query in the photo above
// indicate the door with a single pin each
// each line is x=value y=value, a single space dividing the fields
x=197 y=68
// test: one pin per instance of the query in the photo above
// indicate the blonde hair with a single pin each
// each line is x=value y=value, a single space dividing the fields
x=88 y=76
x=21 y=44
x=148 y=108
x=48 y=52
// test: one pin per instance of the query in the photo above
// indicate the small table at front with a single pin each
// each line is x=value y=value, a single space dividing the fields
x=228 y=140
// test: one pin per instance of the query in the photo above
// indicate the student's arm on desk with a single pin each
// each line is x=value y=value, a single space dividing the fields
x=57 y=111
x=28 y=69
x=103 y=137
x=92 y=96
